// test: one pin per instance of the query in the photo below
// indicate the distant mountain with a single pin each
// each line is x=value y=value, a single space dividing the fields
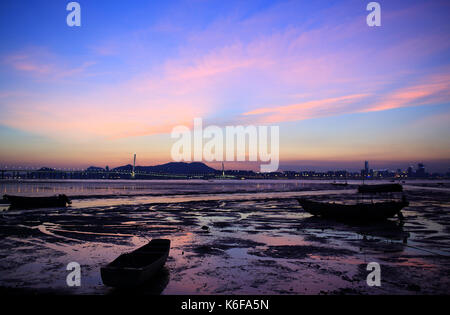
x=125 y=168
x=94 y=169
x=171 y=168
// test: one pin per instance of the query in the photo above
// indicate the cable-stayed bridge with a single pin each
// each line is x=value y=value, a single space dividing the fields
x=17 y=172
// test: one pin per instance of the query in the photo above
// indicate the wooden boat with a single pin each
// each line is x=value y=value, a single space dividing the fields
x=380 y=188
x=20 y=202
x=135 y=268
x=359 y=212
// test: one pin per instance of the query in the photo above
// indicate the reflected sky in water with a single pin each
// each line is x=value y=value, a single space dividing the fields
x=258 y=241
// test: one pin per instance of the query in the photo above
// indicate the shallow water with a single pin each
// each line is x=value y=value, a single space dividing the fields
x=259 y=240
x=104 y=188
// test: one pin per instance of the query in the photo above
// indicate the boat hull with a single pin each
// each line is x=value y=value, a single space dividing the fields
x=136 y=268
x=367 y=212
x=19 y=202
x=380 y=188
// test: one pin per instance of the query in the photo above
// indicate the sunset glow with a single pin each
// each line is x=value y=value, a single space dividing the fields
x=338 y=89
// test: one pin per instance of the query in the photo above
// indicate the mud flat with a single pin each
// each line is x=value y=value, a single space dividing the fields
x=231 y=246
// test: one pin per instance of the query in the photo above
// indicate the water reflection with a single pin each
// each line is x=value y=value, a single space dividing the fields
x=388 y=230
x=255 y=245
x=392 y=230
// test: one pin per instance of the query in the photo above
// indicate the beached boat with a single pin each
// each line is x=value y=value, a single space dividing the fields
x=358 y=212
x=137 y=267
x=20 y=202
x=380 y=188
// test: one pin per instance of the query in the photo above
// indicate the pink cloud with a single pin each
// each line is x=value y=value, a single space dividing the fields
x=42 y=64
x=433 y=90
x=332 y=68
x=306 y=110
x=25 y=63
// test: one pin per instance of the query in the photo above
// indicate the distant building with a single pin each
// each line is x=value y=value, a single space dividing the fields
x=420 y=170
x=410 y=172
x=365 y=172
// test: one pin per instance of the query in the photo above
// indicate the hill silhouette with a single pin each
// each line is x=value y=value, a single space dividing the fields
x=170 y=168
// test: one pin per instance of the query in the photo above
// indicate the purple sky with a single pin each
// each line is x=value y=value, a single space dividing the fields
x=340 y=91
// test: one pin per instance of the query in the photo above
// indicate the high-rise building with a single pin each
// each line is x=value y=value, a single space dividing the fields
x=365 y=172
x=420 y=170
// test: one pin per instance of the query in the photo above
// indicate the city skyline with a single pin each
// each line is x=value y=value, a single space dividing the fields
x=253 y=166
x=340 y=91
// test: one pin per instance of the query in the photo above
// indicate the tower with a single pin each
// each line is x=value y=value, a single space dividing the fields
x=223 y=170
x=134 y=166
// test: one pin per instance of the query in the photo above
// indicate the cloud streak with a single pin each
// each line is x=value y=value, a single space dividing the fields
x=41 y=64
x=433 y=90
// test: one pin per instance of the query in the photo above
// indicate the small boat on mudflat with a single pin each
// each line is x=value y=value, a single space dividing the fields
x=20 y=202
x=365 y=212
x=137 y=267
x=380 y=188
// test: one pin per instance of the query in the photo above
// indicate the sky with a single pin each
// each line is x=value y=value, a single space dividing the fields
x=340 y=91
